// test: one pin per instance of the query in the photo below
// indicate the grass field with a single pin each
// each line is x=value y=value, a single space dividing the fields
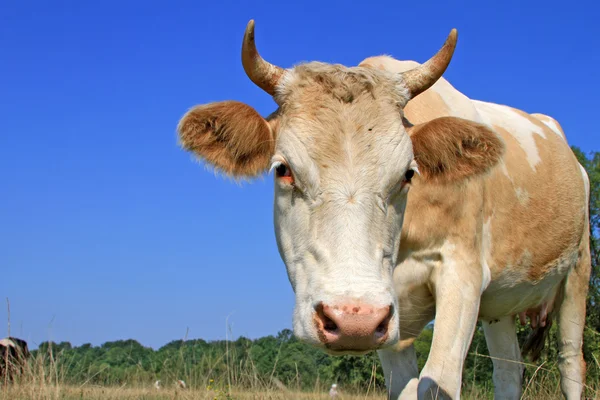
x=125 y=393
x=46 y=392
x=542 y=386
x=42 y=380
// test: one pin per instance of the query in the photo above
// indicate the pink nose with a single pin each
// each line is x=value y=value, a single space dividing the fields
x=357 y=327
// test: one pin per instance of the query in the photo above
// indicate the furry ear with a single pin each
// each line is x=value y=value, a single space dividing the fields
x=229 y=135
x=448 y=149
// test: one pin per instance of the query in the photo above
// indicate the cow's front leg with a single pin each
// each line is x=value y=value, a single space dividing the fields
x=503 y=345
x=416 y=309
x=400 y=367
x=457 y=290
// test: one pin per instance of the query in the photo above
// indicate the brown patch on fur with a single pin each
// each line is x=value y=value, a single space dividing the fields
x=229 y=135
x=449 y=149
x=550 y=222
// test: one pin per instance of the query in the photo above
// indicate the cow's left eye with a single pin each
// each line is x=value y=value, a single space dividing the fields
x=409 y=175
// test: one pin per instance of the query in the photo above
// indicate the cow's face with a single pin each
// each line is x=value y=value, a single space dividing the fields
x=343 y=157
x=342 y=164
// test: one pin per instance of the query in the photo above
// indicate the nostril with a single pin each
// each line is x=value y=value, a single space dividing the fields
x=326 y=322
x=382 y=328
x=329 y=325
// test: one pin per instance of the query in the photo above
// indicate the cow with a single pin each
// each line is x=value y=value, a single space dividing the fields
x=398 y=200
x=14 y=353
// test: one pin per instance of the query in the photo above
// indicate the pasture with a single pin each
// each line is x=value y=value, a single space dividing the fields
x=273 y=367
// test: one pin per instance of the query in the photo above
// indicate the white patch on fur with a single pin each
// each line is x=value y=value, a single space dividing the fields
x=522 y=196
x=505 y=170
x=550 y=123
x=521 y=128
x=586 y=181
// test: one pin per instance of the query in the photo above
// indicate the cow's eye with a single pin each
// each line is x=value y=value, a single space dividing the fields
x=409 y=174
x=284 y=173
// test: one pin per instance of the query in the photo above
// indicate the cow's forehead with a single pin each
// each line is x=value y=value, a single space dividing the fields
x=338 y=83
x=319 y=99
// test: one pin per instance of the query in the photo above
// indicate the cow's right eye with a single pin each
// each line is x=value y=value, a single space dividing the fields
x=284 y=173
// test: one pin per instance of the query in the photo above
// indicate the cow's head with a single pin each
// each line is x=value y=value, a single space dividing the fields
x=343 y=157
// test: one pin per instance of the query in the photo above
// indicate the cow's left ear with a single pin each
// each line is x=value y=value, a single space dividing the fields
x=449 y=149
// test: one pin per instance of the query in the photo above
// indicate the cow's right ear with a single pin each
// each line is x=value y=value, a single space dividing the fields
x=229 y=135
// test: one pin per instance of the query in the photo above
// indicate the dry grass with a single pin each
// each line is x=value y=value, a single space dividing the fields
x=27 y=392
x=544 y=385
x=541 y=390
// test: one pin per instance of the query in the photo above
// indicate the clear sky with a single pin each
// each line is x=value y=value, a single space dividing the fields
x=108 y=230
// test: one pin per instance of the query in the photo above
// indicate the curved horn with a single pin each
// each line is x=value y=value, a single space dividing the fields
x=264 y=74
x=418 y=80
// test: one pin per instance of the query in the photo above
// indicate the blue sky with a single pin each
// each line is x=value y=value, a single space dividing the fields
x=109 y=231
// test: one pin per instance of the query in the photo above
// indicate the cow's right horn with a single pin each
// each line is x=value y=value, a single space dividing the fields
x=418 y=80
x=264 y=74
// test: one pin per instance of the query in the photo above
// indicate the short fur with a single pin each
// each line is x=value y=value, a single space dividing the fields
x=338 y=81
x=449 y=149
x=229 y=135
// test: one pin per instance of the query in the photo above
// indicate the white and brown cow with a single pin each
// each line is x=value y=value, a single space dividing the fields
x=392 y=210
x=14 y=353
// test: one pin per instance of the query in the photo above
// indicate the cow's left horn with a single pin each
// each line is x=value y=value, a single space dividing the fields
x=420 y=79
x=264 y=74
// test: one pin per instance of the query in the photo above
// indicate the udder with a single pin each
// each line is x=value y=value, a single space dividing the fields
x=538 y=316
